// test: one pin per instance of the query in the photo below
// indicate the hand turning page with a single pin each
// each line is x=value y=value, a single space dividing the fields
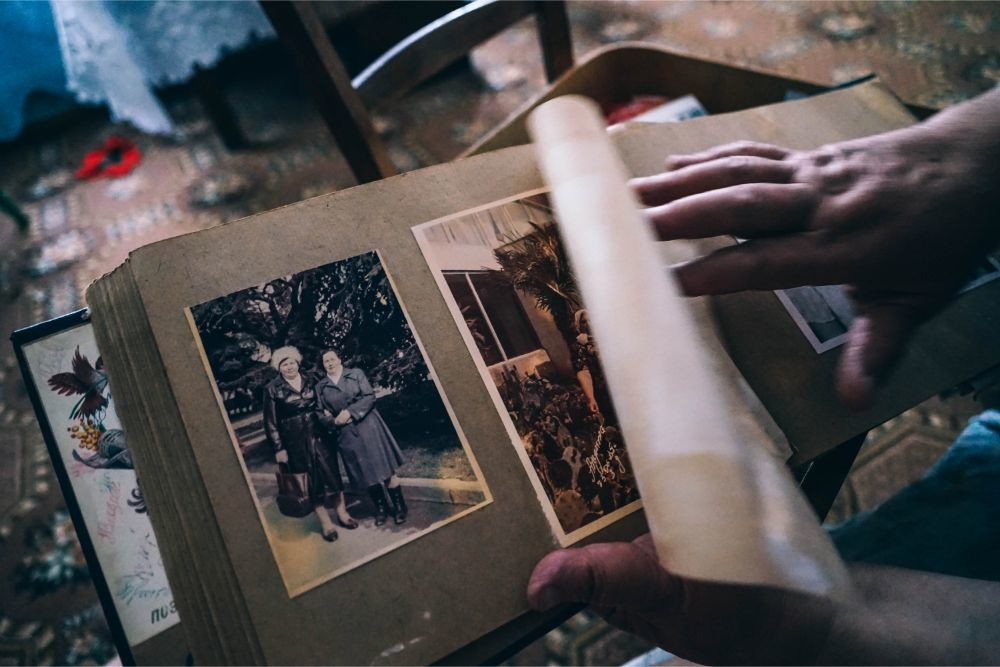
x=718 y=508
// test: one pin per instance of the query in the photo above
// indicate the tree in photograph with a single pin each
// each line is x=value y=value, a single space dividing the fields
x=348 y=305
x=537 y=265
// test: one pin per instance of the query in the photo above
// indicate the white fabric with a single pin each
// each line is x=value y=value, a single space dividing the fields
x=116 y=52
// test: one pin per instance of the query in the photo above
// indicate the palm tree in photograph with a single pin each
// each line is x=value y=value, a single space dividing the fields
x=537 y=265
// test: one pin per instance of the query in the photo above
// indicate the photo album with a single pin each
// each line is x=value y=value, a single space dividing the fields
x=360 y=420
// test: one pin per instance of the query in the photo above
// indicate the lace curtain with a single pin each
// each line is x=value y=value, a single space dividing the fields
x=116 y=52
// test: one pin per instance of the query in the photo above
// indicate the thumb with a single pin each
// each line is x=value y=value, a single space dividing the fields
x=875 y=342
x=607 y=575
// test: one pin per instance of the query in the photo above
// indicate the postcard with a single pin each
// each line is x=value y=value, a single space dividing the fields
x=67 y=371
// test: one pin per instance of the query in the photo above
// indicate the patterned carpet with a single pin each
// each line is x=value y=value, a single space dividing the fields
x=931 y=53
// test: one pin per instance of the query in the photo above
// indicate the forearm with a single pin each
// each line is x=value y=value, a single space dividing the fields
x=909 y=617
x=975 y=123
x=360 y=409
x=965 y=139
x=586 y=381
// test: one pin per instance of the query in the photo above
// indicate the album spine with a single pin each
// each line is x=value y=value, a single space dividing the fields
x=212 y=611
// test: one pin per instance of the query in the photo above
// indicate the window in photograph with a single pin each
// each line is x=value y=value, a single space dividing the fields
x=494 y=315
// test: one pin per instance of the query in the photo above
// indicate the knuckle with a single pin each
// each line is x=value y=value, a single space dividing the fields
x=597 y=576
x=739 y=166
x=757 y=265
x=823 y=155
x=745 y=200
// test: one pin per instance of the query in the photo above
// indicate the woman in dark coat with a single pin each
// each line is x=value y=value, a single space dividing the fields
x=290 y=425
x=346 y=406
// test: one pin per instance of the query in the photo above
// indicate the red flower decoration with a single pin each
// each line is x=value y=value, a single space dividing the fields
x=116 y=158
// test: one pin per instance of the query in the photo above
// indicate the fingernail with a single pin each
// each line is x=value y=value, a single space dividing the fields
x=546 y=598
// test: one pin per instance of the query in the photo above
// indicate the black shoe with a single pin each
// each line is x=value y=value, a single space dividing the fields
x=381 y=507
x=350 y=524
x=331 y=536
x=398 y=505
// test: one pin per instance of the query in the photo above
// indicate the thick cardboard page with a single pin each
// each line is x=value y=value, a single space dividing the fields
x=697 y=474
x=617 y=72
x=184 y=526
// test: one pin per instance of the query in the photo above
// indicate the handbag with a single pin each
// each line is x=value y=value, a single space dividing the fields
x=293 y=492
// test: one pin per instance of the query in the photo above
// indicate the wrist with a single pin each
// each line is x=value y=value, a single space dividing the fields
x=909 y=617
x=967 y=135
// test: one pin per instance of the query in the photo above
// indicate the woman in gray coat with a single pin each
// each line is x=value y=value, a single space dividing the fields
x=346 y=406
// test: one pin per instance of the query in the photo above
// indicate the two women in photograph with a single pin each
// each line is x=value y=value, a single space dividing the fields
x=307 y=422
x=291 y=427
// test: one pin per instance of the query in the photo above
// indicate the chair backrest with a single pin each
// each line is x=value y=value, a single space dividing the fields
x=344 y=103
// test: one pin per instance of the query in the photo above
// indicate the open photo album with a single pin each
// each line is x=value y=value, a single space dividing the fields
x=360 y=420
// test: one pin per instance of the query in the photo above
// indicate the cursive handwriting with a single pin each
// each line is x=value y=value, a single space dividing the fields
x=106 y=525
x=136 y=586
x=77 y=469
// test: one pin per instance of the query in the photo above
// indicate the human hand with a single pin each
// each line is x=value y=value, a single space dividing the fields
x=709 y=623
x=901 y=218
x=281 y=456
x=343 y=417
x=898 y=617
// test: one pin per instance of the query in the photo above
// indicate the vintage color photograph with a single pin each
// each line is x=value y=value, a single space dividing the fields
x=506 y=277
x=346 y=438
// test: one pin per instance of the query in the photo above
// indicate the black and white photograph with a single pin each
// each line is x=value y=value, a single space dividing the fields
x=346 y=438
x=507 y=280
x=824 y=313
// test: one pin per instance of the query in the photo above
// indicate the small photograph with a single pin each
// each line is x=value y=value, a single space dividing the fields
x=824 y=314
x=987 y=271
x=506 y=277
x=347 y=441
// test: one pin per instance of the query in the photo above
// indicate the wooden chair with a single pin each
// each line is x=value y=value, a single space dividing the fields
x=344 y=103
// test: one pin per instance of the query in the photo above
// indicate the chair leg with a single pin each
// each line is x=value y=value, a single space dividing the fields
x=554 y=34
x=219 y=110
x=326 y=79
